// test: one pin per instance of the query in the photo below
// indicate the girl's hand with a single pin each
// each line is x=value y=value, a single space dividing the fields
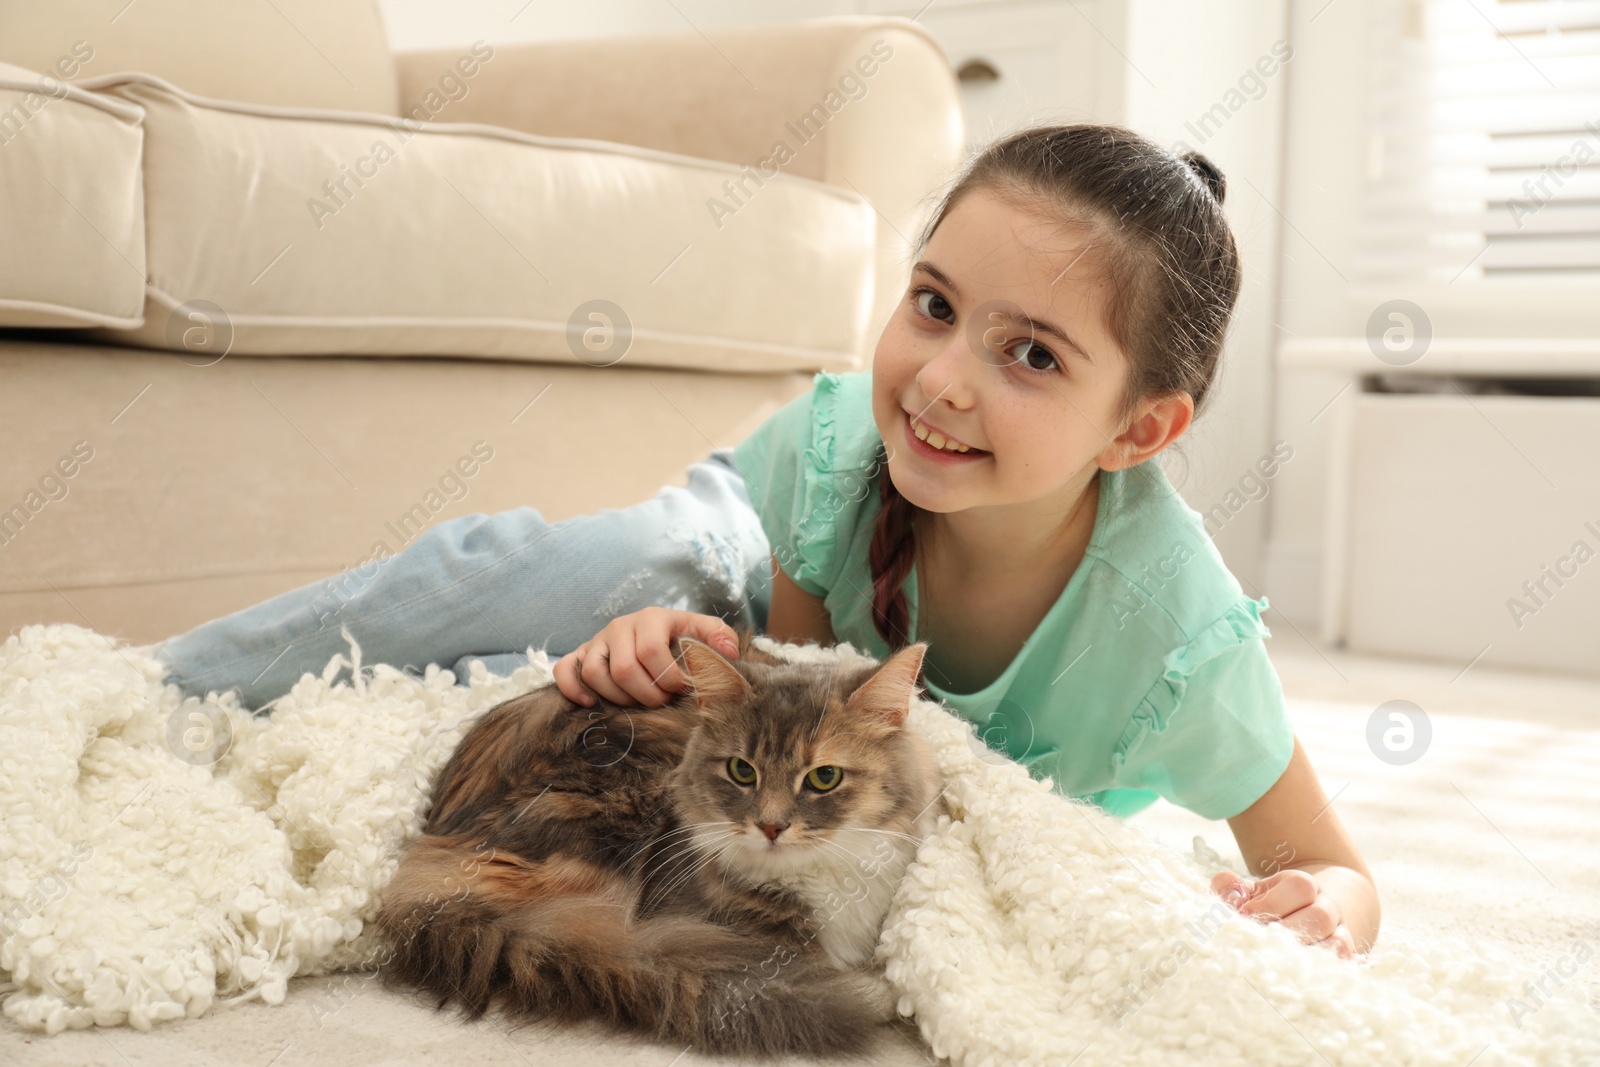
x=1297 y=899
x=630 y=661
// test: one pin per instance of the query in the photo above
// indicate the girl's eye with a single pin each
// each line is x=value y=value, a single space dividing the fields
x=1028 y=352
x=1034 y=351
x=937 y=301
x=824 y=778
x=741 y=772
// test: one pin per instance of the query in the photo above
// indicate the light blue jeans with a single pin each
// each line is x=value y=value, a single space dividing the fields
x=490 y=586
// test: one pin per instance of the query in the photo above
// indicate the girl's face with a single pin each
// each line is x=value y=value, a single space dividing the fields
x=958 y=357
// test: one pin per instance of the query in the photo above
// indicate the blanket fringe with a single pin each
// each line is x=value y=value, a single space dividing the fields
x=137 y=886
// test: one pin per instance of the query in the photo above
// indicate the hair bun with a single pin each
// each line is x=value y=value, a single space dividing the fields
x=1208 y=172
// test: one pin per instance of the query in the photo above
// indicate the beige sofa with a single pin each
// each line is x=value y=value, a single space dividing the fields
x=270 y=293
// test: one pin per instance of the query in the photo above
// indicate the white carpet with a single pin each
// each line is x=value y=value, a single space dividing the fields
x=318 y=796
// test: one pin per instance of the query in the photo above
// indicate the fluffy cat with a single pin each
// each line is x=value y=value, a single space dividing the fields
x=714 y=872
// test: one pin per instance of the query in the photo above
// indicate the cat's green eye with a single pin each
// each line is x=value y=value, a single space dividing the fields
x=824 y=778
x=741 y=772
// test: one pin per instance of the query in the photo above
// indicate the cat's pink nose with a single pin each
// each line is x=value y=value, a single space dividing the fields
x=772 y=829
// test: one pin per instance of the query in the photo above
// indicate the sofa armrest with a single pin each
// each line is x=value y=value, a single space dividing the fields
x=861 y=102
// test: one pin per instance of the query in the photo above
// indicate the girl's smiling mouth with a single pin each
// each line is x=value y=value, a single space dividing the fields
x=929 y=442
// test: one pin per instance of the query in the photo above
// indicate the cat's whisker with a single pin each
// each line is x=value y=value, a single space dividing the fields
x=718 y=869
x=686 y=850
x=673 y=853
x=852 y=856
x=676 y=832
x=687 y=829
x=680 y=854
x=878 y=830
x=711 y=855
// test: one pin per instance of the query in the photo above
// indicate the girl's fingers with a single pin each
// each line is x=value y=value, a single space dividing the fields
x=596 y=674
x=630 y=662
x=566 y=675
x=654 y=652
x=654 y=633
x=1293 y=897
x=1340 y=942
x=630 y=674
x=713 y=631
x=1281 y=894
x=1231 y=888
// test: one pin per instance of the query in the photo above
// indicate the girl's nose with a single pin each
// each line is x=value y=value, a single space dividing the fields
x=947 y=376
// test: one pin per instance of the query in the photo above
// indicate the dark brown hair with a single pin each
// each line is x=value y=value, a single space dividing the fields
x=1170 y=260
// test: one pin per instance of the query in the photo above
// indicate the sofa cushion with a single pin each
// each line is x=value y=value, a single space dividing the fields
x=72 y=209
x=867 y=103
x=216 y=488
x=293 y=53
x=280 y=232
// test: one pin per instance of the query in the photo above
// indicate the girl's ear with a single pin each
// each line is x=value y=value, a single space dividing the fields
x=886 y=696
x=1157 y=422
x=715 y=680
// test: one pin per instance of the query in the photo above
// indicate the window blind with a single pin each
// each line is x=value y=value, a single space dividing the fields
x=1483 y=149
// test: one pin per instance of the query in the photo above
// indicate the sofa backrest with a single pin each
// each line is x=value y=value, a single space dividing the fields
x=293 y=53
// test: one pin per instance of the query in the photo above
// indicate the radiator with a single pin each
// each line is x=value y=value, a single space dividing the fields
x=1466 y=528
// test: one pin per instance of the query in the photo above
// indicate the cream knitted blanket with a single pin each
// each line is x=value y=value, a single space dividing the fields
x=159 y=856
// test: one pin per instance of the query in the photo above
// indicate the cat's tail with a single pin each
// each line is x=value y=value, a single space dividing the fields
x=556 y=940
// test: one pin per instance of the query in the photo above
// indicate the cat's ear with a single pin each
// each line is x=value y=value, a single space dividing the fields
x=715 y=680
x=886 y=696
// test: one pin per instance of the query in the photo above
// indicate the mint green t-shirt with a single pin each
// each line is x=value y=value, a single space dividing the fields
x=1148 y=676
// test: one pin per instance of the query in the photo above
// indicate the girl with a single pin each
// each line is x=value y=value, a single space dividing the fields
x=991 y=487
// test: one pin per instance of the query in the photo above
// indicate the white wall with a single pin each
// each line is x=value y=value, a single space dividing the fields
x=1182 y=61
x=1325 y=153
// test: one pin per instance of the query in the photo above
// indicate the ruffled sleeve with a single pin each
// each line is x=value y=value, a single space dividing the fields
x=800 y=481
x=1213 y=733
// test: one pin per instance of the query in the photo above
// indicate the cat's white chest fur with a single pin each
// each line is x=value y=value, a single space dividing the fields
x=850 y=895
